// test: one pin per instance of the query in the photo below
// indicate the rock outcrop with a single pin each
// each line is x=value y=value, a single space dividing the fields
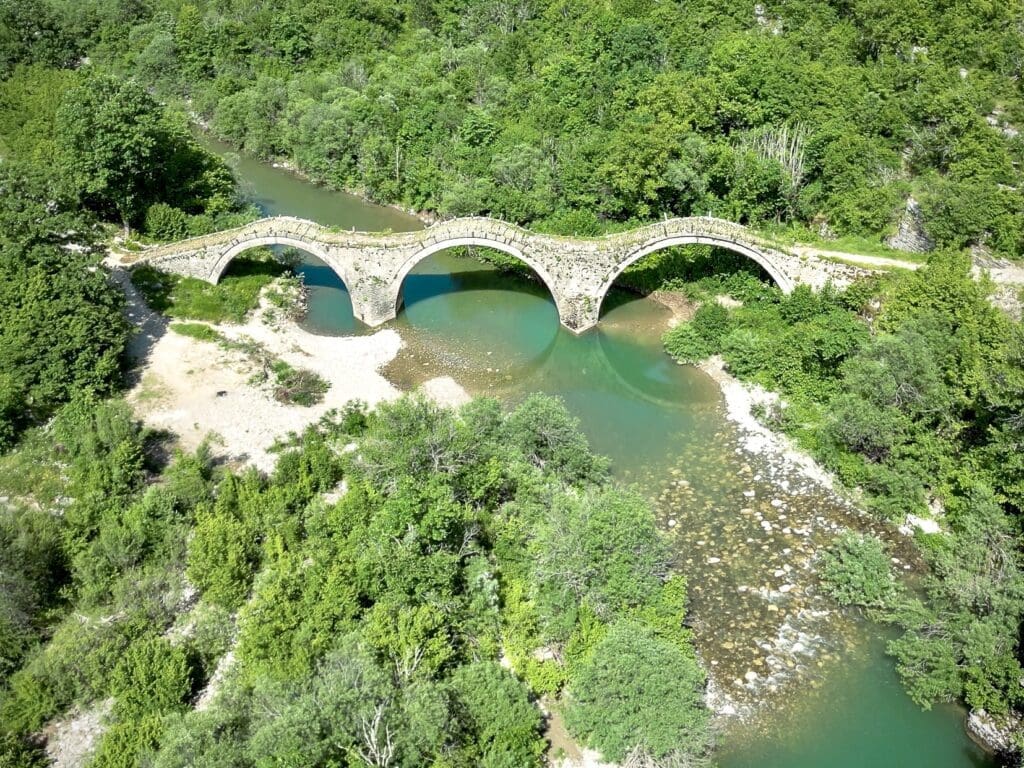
x=911 y=235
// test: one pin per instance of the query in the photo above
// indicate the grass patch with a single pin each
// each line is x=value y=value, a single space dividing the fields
x=199 y=331
x=188 y=298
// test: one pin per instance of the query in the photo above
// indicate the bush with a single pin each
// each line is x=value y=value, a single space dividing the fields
x=152 y=677
x=639 y=691
x=494 y=707
x=856 y=571
x=164 y=222
x=701 y=337
x=222 y=557
x=129 y=744
x=297 y=386
x=686 y=345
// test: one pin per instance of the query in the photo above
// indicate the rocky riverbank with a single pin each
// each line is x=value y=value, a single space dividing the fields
x=761 y=624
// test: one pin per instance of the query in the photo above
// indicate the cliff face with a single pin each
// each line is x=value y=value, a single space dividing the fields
x=911 y=235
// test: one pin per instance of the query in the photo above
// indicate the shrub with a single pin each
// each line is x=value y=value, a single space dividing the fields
x=506 y=726
x=164 y=222
x=129 y=744
x=153 y=676
x=297 y=386
x=637 y=690
x=701 y=337
x=222 y=557
x=856 y=571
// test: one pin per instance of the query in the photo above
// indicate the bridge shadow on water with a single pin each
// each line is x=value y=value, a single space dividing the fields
x=420 y=286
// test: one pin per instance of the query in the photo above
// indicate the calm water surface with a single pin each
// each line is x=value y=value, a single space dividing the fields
x=744 y=527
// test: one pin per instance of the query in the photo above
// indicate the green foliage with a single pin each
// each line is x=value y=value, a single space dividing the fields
x=493 y=705
x=543 y=431
x=16 y=752
x=61 y=327
x=230 y=300
x=637 y=691
x=298 y=386
x=856 y=571
x=127 y=160
x=687 y=110
x=374 y=629
x=152 y=676
x=601 y=549
x=127 y=744
x=222 y=556
x=701 y=337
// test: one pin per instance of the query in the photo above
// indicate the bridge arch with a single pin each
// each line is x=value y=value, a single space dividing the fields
x=309 y=246
x=511 y=248
x=761 y=257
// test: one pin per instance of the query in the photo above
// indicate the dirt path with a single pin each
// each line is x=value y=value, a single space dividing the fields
x=859 y=259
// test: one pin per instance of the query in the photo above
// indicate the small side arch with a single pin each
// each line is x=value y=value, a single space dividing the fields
x=784 y=281
x=511 y=249
x=241 y=247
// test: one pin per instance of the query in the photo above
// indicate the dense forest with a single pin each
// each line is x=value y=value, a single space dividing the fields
x=579 y=117
x=370 y=630
x=410 y=584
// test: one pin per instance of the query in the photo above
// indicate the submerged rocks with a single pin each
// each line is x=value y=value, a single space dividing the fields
x=748 y=526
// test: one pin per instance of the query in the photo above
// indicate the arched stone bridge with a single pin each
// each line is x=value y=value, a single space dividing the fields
x=577 y=271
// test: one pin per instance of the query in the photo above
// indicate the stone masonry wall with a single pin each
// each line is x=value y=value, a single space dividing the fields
x=577 y=271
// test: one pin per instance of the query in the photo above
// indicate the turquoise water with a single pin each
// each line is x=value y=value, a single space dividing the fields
x=664 y=428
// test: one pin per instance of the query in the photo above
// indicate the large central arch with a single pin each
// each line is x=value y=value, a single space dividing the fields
x=511 y=248
x=755 y=254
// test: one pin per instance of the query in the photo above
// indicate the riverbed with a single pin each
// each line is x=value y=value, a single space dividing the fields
x=799 y=683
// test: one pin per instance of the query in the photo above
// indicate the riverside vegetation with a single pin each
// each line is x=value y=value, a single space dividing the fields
x=464 y=539
x=910 y=387
x=364 y=631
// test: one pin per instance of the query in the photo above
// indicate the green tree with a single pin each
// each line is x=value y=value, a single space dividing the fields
x=639 y=692
x=112 y=137
x=602 y=548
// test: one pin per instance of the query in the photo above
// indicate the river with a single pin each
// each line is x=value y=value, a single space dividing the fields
x=811 y=686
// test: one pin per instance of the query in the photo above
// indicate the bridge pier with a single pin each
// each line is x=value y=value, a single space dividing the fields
x=374 y=301
x=578 y=313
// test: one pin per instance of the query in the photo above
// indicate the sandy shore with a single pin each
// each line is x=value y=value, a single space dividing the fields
x=197 y=389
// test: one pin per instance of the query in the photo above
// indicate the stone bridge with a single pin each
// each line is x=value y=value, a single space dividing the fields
x=577 y=271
